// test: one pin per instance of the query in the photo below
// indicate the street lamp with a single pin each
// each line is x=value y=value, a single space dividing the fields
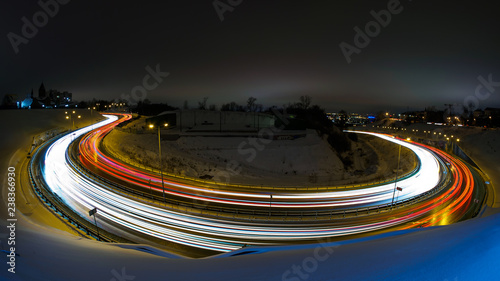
x=71 y=119
x=92 y=116
x=396 y=181
x=151 y=126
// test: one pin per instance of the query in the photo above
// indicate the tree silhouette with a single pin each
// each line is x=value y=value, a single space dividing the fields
x=305 y=101
x=203 y=104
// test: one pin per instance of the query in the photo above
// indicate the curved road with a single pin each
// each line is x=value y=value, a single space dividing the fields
x=83 y=194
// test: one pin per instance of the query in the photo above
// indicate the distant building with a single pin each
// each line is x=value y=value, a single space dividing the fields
x=357 y=119
x=53 y=98
x=478 y=113
x=490 y=111
x=45 y=99
x=339 y=118
x=214 y=121
x=10 y=101
x=42 y=94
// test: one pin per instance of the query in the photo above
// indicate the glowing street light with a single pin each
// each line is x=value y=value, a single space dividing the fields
x=69 y=116
x=151 y=126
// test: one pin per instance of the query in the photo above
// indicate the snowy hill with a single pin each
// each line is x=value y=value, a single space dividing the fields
x=308 y=160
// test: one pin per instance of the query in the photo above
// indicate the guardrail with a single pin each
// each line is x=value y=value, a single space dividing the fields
x=262 y=214
x=229 y=186
x=55 y=203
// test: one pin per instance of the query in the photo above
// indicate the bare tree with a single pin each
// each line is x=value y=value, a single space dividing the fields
x=232 y=106
x=305 y=101
x=251 y=104
x=203 y=104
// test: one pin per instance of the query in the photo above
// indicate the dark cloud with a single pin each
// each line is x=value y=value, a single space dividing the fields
x=430 y=54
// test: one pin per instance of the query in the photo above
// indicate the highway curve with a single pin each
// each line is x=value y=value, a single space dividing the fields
x=440 y=191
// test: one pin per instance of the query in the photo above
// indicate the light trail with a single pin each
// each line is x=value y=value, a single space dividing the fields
x=425 y=179
x=82 y=194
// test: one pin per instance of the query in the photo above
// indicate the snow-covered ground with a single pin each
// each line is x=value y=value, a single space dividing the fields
x=482 y=145
x=304 y=161
x=484 y=149
x=463 y=251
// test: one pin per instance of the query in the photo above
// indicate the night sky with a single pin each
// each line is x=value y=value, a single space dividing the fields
x=431 y=53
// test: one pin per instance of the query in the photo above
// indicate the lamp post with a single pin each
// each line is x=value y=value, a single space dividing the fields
x=396 y=181
x=70 y=117
x=92 y=213
x=91 y=112
x=159 y=154
x=399 y=191
x=270 y=202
